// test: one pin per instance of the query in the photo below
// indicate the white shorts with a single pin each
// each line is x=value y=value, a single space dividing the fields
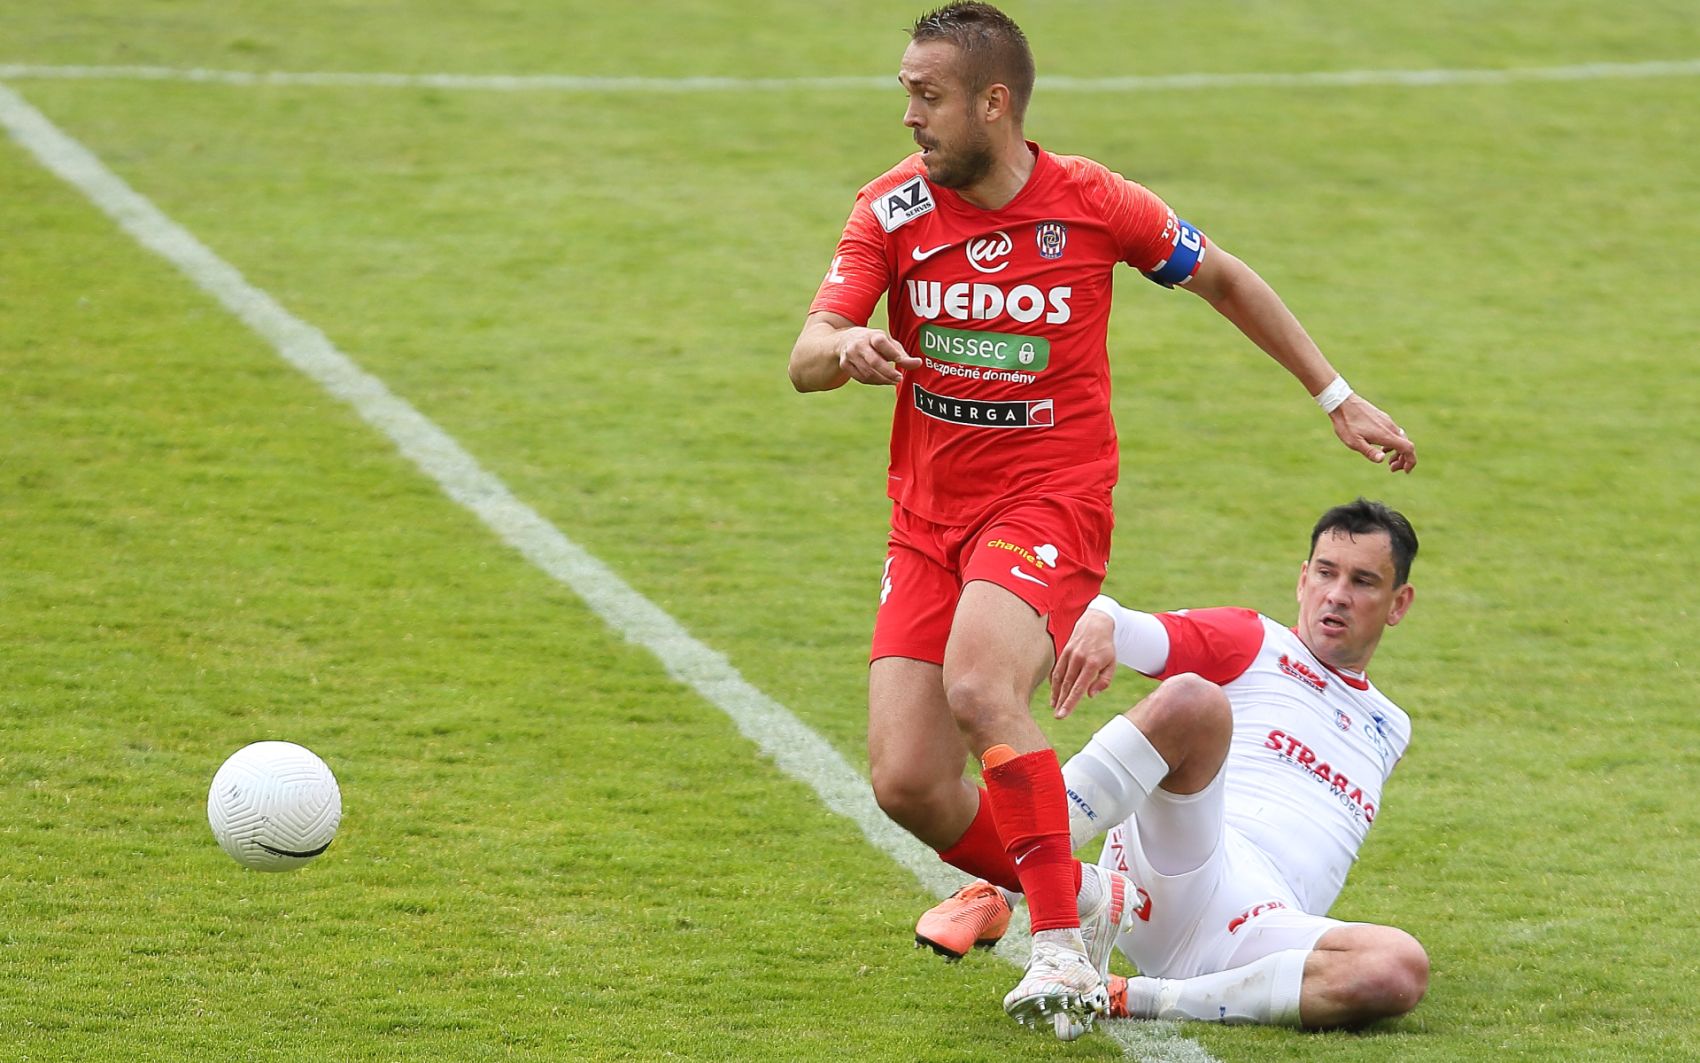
x=1223 y=908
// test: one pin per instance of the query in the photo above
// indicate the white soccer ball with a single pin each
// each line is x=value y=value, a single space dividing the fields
x=274 y=806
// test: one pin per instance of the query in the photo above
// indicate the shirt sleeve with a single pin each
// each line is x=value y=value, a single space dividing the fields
x=1142 y=642
x=860 y=273
x=1217 y=644
x=1149 y=237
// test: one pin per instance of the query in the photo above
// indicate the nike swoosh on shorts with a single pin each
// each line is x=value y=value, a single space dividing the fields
x=1015 y=570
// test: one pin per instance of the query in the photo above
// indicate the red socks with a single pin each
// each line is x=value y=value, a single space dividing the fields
x=980 y=851
x=1030 y=807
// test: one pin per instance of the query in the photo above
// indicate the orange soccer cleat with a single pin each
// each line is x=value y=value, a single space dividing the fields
x=1117 y=986
x=975 y=916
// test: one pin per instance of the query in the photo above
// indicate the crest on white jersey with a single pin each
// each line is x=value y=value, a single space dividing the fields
x=903 y=204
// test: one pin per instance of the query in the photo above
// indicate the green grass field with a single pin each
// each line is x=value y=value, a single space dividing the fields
x=550 y=849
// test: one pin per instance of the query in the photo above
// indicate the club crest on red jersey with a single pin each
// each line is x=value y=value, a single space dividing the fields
x=1052 y=237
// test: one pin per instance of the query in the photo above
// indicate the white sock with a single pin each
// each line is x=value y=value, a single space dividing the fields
x=1265 y=992
x=1068 y=937
x=1091 y=889
x=1110 y=779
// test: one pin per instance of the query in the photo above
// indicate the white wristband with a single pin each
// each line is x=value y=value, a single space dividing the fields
x=1330 y=397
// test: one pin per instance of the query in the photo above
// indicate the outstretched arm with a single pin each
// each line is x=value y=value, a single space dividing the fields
x=1106 y=634
x=832 y=350
x=1087 y=663
x=1247 y=300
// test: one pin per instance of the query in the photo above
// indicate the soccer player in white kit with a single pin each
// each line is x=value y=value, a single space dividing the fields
x=1237 y=794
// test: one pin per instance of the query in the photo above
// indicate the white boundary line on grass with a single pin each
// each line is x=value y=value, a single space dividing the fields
x=799 y=751
x=583 y=83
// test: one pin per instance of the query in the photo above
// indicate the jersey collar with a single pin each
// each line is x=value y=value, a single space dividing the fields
x=1355 y=680
x=1041 y=173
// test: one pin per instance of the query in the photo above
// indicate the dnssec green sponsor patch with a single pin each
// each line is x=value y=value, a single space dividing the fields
x=992 y=350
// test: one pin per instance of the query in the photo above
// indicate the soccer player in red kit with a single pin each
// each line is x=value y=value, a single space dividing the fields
x=996 y=258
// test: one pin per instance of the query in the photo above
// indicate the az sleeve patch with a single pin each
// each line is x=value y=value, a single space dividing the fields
x=903 y=204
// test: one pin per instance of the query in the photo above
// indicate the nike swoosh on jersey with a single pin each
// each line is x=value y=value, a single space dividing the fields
x=921 y=256
x=1015 y=570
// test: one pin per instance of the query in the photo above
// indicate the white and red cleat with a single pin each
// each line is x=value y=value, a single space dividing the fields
x=1107 y=916
x=1061 y=988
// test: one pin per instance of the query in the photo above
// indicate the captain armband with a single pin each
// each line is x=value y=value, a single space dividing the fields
x=1183 y=260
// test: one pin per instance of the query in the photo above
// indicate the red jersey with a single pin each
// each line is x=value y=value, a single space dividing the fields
x=1008 y=309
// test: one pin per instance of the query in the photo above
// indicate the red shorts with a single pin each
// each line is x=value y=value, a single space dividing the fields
x=1049 y=552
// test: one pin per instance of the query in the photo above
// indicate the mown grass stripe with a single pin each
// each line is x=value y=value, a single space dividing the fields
x=1661 y=68
x=795 y=748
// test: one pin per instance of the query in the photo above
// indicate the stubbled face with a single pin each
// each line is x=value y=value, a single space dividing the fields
x=1347 y=597
x=956 y=144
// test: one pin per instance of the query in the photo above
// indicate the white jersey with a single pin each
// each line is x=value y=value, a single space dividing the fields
x=1312 y=747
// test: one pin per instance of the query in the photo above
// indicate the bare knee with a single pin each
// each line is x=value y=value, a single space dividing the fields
x=981 y=701
x=1189 y=721
x=1389 y=976
x=1185 y=707
x=916 y=756
x=1402 y=973
x=910 y=797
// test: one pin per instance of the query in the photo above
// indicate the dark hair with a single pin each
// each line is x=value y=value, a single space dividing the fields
x=1364 y=516
x=993 y=48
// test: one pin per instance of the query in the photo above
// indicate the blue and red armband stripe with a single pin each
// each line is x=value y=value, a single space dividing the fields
x=1183 y=260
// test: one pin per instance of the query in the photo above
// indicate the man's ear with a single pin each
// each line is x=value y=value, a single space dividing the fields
x=1401 y=604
